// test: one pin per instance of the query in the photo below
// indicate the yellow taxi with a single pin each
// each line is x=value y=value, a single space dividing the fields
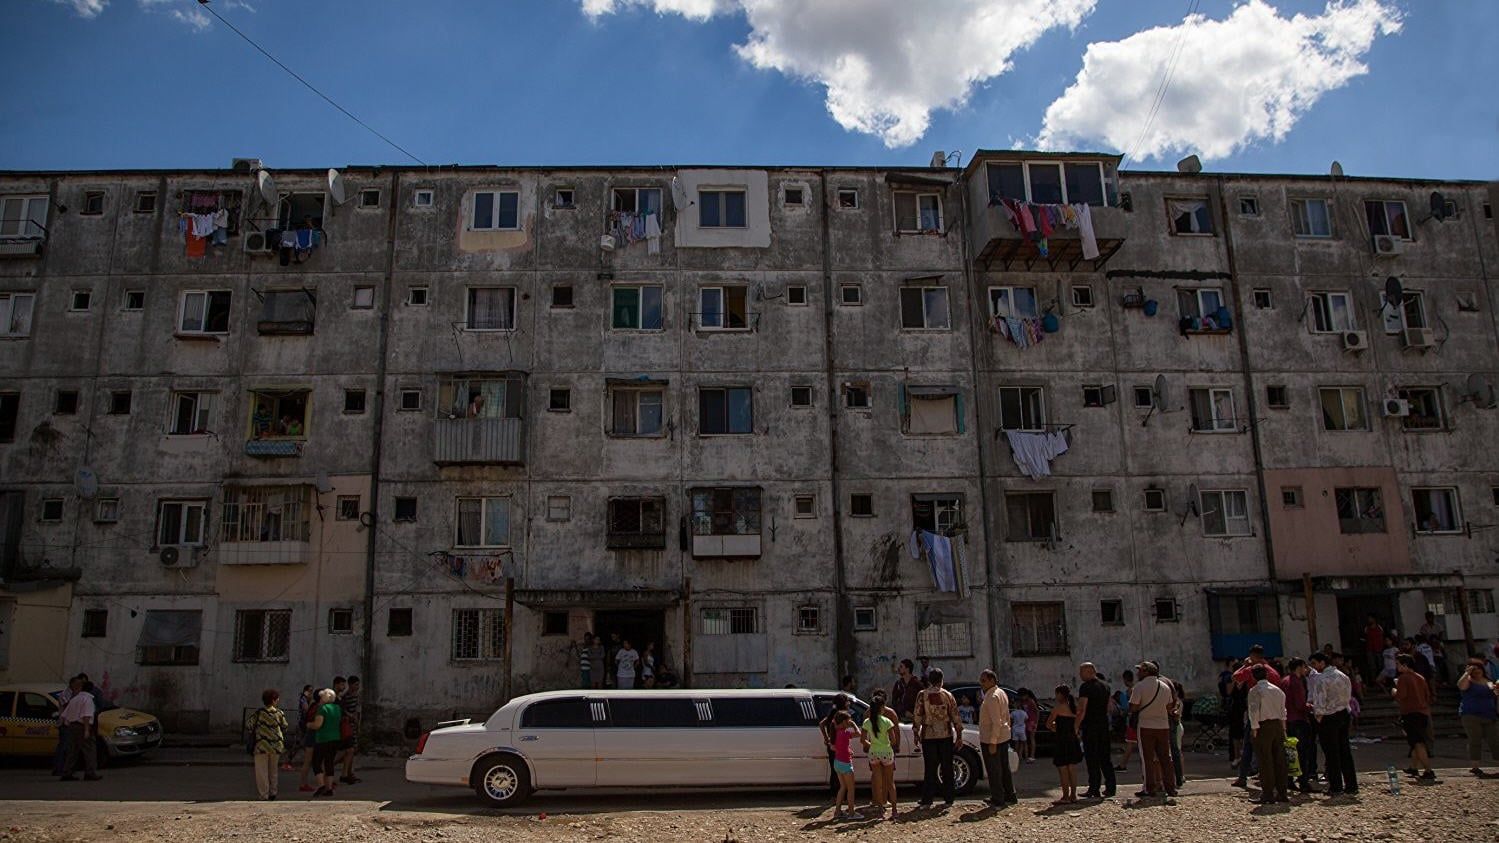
x=29 y=717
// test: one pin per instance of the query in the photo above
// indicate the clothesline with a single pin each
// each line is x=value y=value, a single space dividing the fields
x=1023 y=331
x=1038 y=221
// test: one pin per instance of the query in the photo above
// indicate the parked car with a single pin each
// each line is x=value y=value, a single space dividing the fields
x=1044 y=736
x=30 y=714
x=653 y=739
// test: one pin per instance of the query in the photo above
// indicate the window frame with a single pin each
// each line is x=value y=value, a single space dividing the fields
x=638 y=392
x=1361 y=401
x=95 y=625
x=338 y=628
x=1114 y=614
x=850 y=390
x=1007 y=293
x=1283 y=402
x=858 y=298
x=640 y=538
x=1406 y=393
x=725 y=315
x=341 y=509
x=423 y=197
x=1357 y=519
x=1299 y=209
x=854 y=501
x=1410 y=229
x=106 y=510
x=364 y=195
x=353 y=407
x=808 y=619
x=87 y=297
x=366 y=292
x=145 y=202
x=917 y=198
x=1324 y=317
x=1083 y=302
x=728 y=425
x=208 y=301
x=264 y=652
x=418 y=291
x=1025 y=165
x=1410 y=299
x=51 y=510
x=1222 y=495
x=489 y=634
x=507 y=319
x=559 y=508
x=1018 y=647
x=797 y=510
x=183 y=539
x=1054 y=527
x=616 y=192
x=925 y=315
x=1249 y=206
x=1216 y=423
x=801 y=196
x=872 y=624
x=400 y=622
x=1207 y=209
x=1029 y=398
x=565 y=405
x=846 y=199
x=485 y=541
x=562 y=300
x=496 y=210
x=1454 y=501
x=808 y=391
x=201 y=412
x=640 y=307
x=26 y=216
x=133 y=301
x=733 y=620
x=721 y=206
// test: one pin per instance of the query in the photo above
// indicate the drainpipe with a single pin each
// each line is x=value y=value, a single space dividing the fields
x=845 y=647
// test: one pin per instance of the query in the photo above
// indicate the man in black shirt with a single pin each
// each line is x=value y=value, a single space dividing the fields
x=1093 y=728
x=907 y=688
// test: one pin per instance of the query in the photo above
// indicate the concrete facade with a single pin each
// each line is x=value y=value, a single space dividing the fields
x=719 y=438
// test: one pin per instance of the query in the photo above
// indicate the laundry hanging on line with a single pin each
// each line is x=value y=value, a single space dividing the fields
x=1034 y=452
x=1023 y=331
x=1039 y=221
x=941 y=555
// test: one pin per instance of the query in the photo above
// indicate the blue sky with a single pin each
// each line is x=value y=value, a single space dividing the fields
x=1387 y=87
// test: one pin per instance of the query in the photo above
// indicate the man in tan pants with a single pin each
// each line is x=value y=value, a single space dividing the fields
x=1267 y=724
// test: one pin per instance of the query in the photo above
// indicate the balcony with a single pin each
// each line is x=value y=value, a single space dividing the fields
x=478 y=441
x=1044 y=179
x=267 y=526
x=271 y=448
x=1002 y=246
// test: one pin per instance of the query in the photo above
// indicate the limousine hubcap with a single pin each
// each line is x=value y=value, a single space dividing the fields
x=960 y=772
x=500 y=782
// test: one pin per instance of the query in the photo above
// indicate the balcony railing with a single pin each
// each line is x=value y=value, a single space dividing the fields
x=265 y=533
x=478 y=441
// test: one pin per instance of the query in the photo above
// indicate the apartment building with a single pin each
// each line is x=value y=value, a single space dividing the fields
x=432 y=425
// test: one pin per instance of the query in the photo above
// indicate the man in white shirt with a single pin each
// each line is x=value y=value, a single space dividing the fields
x=1329 y=696
x=78 y=721
x=624 y=666
x=994 y=736
x=1267 y=725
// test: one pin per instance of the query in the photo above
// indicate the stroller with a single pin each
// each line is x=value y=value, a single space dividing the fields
x=1212 y=724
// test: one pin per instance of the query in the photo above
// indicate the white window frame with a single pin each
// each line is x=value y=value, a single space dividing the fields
x=507 y=319
x=858 y=291
x=796 y=505
x=721 y=620
x=489 y=644
x=494 y=211
x=1249 y=206
x=1301 y=218
x=871 y=625
x=485 y=540
x=846 y=191
x=1398 y=320
x=88 y=301
x=862 y=387
x=202 y=330
x=926 y=316
x=1084 y=301
x=1324 y=317
x=364 y=298
x=1006 y=296
x=1454 y=500
x=1037 y=406
x=125 y=301
x=1207 y=208
x=614 y=193
x=808 y=619
x=183 y=537
x=11 y=327
x=722 y=192
x=559 y=507
x=801 y=195
x=1197 y=294
x=1217 y=423
x=1243 y=521
x=1357 y=394
x=638 y=393
x=202 y=411
x=106 y=510
x=365 y=192
x=919 y=199
x=572 y=198
x=1410 y=225
x=423 y=198
x=1406 y=423
x=20 y=230
x=722 y=323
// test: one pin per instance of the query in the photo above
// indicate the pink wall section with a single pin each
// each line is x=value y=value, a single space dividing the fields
x=1308 y=541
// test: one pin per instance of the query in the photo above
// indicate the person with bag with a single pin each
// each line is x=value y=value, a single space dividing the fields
x=267 y=742
x=1153 y=701
x=327 y=737
x=938 y=732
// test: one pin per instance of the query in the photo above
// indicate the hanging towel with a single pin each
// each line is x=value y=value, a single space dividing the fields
x=913 y=545
x=1085 y=230
x=221 y=218
x=1034 y=452
x=1016 y=328
x=944 y=573
x=202 y=224
x=197 y=246
x=653 y=234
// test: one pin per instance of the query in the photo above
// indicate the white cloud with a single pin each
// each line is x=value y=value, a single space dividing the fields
x=187 y=12
x=885 y=64
x=195 y=18
x=85 y=8
x=1243 y=79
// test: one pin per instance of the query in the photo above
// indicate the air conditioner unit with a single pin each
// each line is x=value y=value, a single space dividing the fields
x=246 y=165
x=1386 y=246
x=1419 y=338
x=258 y=243
x=1355 y=340
x=179 y=557
x=1395 y=408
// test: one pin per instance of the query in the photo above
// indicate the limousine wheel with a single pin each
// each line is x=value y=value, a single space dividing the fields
x=501 y=779
x=965 y=764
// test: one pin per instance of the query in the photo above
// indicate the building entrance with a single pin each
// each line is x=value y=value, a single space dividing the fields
x=1353 y=613
x=640 y=627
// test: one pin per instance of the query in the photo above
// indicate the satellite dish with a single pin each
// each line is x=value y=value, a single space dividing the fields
x=1480 y=391
x=336 y=189
x=87 y=483
x=1438 y=206
x=1193 y=496
x=1158 y=393
x=267 y=187
x=1394 y=293
x=1337 y=170
x=324 y=485
x=1190 y=164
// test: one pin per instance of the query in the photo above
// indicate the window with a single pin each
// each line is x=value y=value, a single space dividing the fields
x=571 y=713
x=559 y=401
x=1212 y=410
x=204 y=312
x=106 y=510
x=1155 y=500
x=369 y=198
x=927 y=410
x=398 y=623
x=1225 y=513
x=135 y=300
x=1199 y=308
x=941 y=514
x=865 y=619
x=340 y=621
x=1332 y=313
x=480 y=398
x=851 y=294
x=1343 y=408
x=80 y=301
x=939 y=638
x=917 y=212
x=565 y=198
x=1040 y=629
x=857 y=395
x=181 y=522
x=924 y=308
x=422 y=199
x=726 y=511
x=636 y=200
x=411 y=399
x=65 y=402
x=1099 y=396
x=354 y=402
x=562 y=295
x=496 y=211
x=1494 y=492
x=482 y=522
x=1189 y=216
x=364 y=298
x=1111 y=612
x=51 y=509
x=405 y=509
x=1249 y=206
x=637 y=309
x=804 y=506
x=478 y=634
x=636 y=523
x=95 y=623
x=490 y=309
x=169 y=638
x=417 y=296
x=280 y=414
x=848 y=199
x=1480 y=601
x=637 y=412
x=1263 y=299
x=723 y=308
x=190 y=413
x=1144 y=397
x=559 y=508
x=554 y=623
x=1047 y=182
x=268 y=514
x=93 y=203
x=1310 y=218
x=262 y=635
x=1437 y=510
x=1166 y=610
x=1022 y=408
x=1360 y=510
x=808 y=619
x=1082 y=295
x=796 y=295
x=720 y=209
x=1030 y=516
x=298 y=208
x=119 y=402
x=736 y=621
x=15 y=314
x=1410 y=314
x=348 y=508
x=1277 y=396
x=23 y=217
x=1291 y=497
x=1013 y=302
x=10 y=405
x=801 y=396
x=145 y=202
x=726 y=410
x=1103 y=500
x=794 y=196
x=1426 y=408
x=1387 y=218
x=861 y=505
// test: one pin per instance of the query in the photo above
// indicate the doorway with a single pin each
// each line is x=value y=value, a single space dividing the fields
x=638 y=626
x=1354 y=611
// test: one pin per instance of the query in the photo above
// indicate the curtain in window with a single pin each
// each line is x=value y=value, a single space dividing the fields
x=470 y=513
x=931 y=213
x=486 y=309
x=1213 y=521
x=192 y=311
x=1190 y=215
x=937 y=315
x=170 y=629
x=932 y=414
x=1223 y=409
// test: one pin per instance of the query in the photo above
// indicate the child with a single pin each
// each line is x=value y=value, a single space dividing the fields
x=881 y=743
x=1018 y=719
x=1068 y=751
x=966 y=711
x=843 y=765
x=1032 y=722
x=1387 y=675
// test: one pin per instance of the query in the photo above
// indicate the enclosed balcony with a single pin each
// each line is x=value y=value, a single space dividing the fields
x=267 y=525
x=1039 y=212
x=480 y=420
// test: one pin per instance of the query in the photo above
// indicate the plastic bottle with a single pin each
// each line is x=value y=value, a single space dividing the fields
x=1394 y=778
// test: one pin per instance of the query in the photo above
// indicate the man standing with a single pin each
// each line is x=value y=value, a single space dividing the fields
x=594 y=647
x=1093 y=729
x=1244 y=679
x=1152 y=700
x=624 y=666
x=1299 y=722
x=1373 y=649
x=1413 y=694
x=1267 y=727
x=907 y=688
x=585 y=661
x=78 y=722
x=349 y=702
x=1330 y=694
x=939 y=731
x=994 y=734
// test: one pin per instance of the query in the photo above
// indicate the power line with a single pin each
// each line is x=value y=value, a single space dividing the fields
x=309 y=85
x=1165 y=83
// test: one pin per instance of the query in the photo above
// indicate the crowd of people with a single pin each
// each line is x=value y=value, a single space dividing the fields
x=78 y=737
x=618 y=664
x=325 y=738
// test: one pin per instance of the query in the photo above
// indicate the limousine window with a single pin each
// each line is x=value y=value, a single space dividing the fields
x=653 y=713
x=557 y=714
x=858 y=710
x=758 y=713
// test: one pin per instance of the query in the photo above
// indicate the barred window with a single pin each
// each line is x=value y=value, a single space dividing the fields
x=262 y=635
x=737 y=621
x=478 y=634
x=1040 y=629
x=948 y=640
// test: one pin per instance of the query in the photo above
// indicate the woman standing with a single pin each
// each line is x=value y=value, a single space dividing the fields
x=648 y=666
x=1068 y=751
x=881 y=742
x=306 y=704
x=268 y=724
x=326 y=740
x=1479 y=709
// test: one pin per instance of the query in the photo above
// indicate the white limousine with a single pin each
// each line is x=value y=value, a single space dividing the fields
x=674 y=738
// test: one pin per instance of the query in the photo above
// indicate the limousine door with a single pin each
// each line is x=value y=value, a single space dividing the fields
x=557 y=737
x=651 y=740
x=770 y=740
